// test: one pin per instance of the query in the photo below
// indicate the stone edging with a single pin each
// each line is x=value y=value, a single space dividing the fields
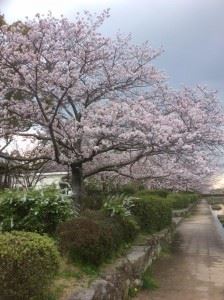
x=126 y=272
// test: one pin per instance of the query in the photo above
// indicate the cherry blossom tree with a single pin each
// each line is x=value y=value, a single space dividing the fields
x=187 y=171
x=190 y=172
x=95 y=103
x=186 y=137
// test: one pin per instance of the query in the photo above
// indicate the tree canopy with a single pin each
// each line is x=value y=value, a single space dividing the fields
x=98 y=104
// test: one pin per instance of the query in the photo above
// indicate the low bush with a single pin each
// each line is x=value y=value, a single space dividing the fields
x=93 y=195
x=28 y=262
x=152 y=193
x=148 y=281
x=130 y=188
x=115 y=226
x=34 y=210
x=152 y=213
x=83 y=239
x=119 y=205
x=94 y=237
x=181 y=200
x=93 y=200
x=95 y=192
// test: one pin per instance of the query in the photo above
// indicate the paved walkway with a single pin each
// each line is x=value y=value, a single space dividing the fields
x=195 y=268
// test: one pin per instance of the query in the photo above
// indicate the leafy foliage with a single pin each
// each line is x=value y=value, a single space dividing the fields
x=93 y=199
x=28 y=262
x=152 y=213
x=152 y=193
x=119 y=204
x=94 y=237
x=97 y=193
x=130 y=188
x=181 y=200
x=148 y=282
x=85 y=240
x=124 y=230
x=34 y=210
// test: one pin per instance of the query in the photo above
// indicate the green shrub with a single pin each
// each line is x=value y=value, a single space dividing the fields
x=94 y=237
x=93 y=195
x=132 y=292
x=93 y=200
x=95 y=192
x=148 y=281
x=112 y=227
x=119 y=204
x=181 y=200
x=151 y=193
x=128 y=228
x=130 y=188
x=96 y=215
x=124 y=229
x=152 y=213
x=83 y=239
x=28 y=262
x=34 y=210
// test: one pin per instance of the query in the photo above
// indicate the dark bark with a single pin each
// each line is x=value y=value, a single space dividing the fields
x=77 y=182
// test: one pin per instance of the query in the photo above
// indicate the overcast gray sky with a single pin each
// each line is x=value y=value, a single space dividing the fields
x=190 y=31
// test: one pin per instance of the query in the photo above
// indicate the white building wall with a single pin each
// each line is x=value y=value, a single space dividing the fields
x=50 y=178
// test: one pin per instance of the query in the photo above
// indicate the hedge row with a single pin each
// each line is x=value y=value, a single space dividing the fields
x=28 y=262
x=34 y=210
x=94 y=237
x=178 y=200
x=181 y=200
x=43 y=210
x=152 y=213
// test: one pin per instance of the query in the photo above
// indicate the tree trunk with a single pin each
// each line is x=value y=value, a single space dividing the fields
x=77 y=181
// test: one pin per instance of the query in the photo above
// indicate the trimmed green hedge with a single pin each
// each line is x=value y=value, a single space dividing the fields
x=152 y=213
x=181 y=200
x=130 y=188
x=28 y=262
x=94 y=237
x=152 y=193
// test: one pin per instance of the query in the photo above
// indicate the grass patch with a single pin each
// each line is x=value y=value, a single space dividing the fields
x=77 y=275
x=70 y=277
x=132 y=292
x=148 y=281
x=166 y=251
x=188 y=214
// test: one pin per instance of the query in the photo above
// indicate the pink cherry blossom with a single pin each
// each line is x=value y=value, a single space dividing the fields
x=98 y=104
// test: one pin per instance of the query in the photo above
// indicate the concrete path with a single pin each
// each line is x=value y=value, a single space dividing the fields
x=195 y=268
